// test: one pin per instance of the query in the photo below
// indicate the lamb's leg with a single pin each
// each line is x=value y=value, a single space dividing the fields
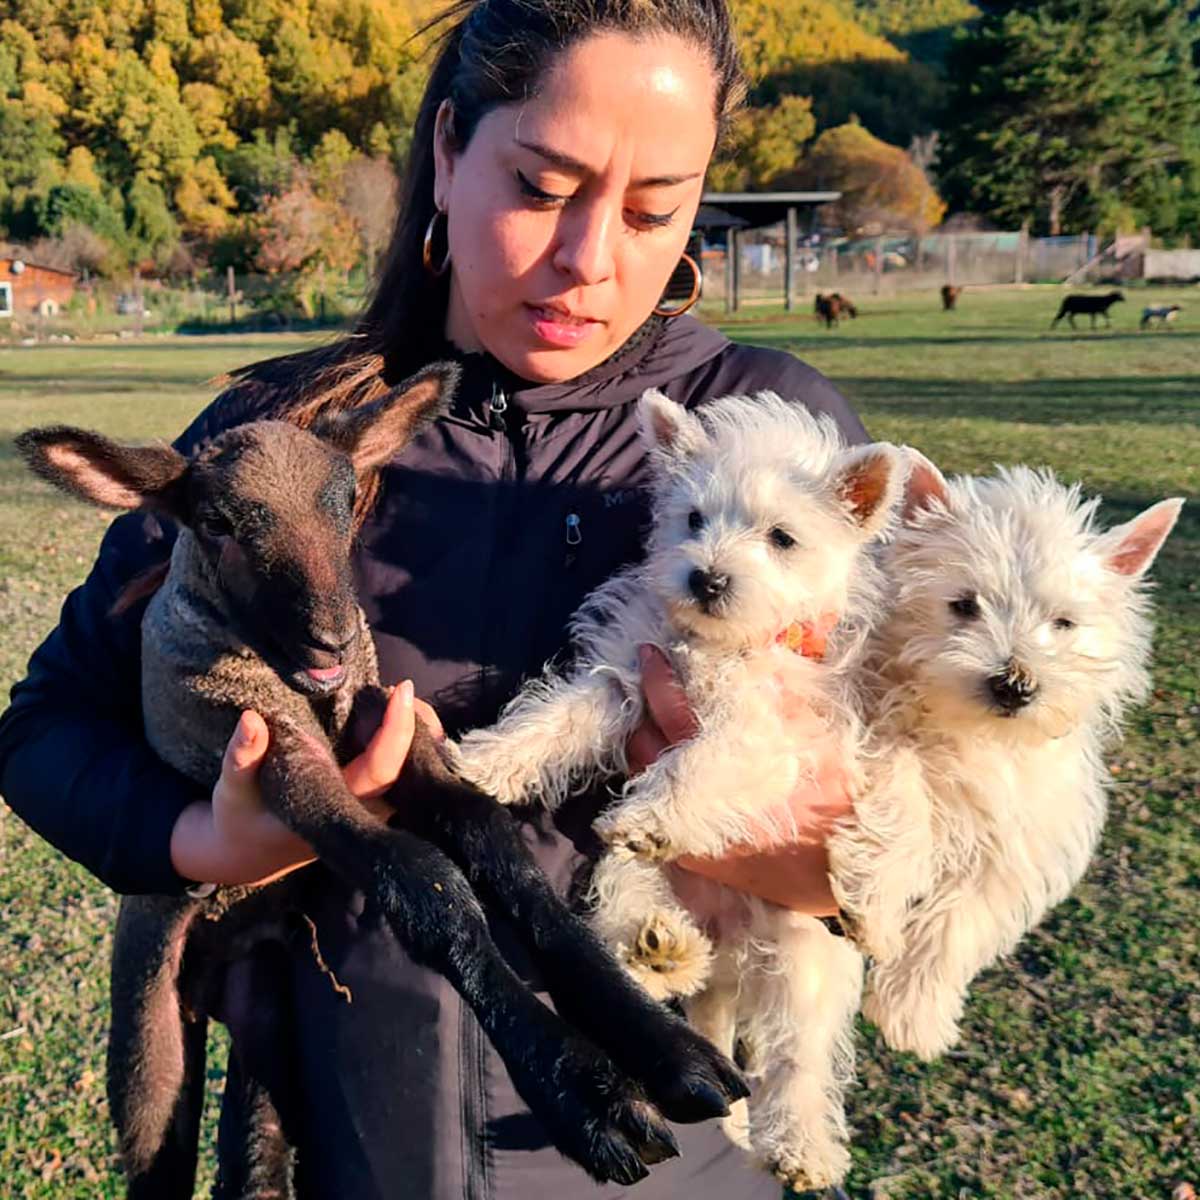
x=255 y=1156
x=799 y=1012
x=553 y=733
x=917 y=999
x=592 y=1111
x=155 y=1056
x=682 y=1073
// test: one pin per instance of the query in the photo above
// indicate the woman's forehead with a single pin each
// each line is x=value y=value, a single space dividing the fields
x=649 y=99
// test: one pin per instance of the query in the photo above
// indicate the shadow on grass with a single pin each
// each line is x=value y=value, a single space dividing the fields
x=847 y=337
x=1139 y=399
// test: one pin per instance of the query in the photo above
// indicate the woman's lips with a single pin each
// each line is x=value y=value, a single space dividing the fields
x=560 y=329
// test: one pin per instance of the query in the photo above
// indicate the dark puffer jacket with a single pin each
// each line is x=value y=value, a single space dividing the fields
x=488 y=531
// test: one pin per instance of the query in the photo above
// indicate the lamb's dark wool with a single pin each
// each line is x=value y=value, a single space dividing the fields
x=258 y=611
x=1092 y=306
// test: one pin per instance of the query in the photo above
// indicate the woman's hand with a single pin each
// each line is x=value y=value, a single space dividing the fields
x=236 y=840
x=795 y=875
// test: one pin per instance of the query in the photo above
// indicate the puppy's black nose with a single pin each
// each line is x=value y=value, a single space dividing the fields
x=707 y=586
x=1011 y=690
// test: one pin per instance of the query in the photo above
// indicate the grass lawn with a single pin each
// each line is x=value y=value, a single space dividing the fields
x=1077 y=1072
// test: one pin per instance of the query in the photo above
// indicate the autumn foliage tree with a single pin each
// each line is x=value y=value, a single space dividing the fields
x=883 y=190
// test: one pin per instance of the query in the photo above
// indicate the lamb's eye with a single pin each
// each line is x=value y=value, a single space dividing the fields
x=695 y=520
x=1063 y=623
x=781 y=539
x=966 y=607
x=215 y=525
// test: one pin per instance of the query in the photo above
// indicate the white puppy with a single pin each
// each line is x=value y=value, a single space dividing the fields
x=761 y=520
x=1018 y=635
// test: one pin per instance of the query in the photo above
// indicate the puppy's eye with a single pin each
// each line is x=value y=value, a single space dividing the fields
x=1063 y=623
x=215 y=525
x=695 y=520
x=966 y=607
x=781 y=539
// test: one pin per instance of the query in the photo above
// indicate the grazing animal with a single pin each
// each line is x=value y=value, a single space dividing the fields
x=830 y=307
x=761 y=521
x=257 y=610
x=1092 y=306
x=1019 y=636
x=950 y=295
x=1164 y=314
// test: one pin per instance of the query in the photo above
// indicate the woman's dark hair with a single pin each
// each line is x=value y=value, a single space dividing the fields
x=493 y=52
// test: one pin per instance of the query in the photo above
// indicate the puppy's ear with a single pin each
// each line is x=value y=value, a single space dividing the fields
x=870 y=484
x=1129 y=549
x=669 y=427
x=925 y=487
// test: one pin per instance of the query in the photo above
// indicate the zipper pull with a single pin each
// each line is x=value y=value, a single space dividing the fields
x=497 y=406
x=574 y=537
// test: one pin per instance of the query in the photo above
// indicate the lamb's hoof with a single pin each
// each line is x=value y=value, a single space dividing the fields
x=674 y=954
x=638 y=835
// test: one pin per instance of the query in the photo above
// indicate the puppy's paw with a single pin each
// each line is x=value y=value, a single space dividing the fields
x=919 y=1028
x=811 y=1164
x=637 y=832
x=671 y=957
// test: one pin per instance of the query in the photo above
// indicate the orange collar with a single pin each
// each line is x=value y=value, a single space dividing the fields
x=808 y=638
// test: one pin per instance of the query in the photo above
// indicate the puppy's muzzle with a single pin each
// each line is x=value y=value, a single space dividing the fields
x=1011 y=690
x=708 y=587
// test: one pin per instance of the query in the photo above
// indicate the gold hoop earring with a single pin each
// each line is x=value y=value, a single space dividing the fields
x=659 y=311
x=427 y=248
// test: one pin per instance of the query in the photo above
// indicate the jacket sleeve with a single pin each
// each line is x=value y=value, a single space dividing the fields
x=74 y=762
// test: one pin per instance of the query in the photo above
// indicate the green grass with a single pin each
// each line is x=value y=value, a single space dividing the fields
x=1076 y=1075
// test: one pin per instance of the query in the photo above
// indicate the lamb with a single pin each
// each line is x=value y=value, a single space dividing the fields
x=829 y=308
x=1092 y=305
x=257 y=610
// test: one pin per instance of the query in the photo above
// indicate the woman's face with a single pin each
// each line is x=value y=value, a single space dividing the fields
x=568 y=212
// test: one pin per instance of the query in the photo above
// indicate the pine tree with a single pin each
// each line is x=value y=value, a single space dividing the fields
x=1069 y=114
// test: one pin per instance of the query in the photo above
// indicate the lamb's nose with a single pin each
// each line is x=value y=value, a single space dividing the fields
x=707 y=586
x=1011 y=689
x=334 y=642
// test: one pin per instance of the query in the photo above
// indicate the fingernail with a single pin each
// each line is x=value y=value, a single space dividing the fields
x=406 y=693
x=242 y=733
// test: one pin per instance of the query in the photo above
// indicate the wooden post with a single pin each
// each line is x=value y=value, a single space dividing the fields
x=879 y=264
x=736 y=291
x=138 y=306
x=789 y=260
x=1022 y=251
x=951 y=258
x=232 y=288
x=730 y=251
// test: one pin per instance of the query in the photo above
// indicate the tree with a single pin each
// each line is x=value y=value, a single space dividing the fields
x=766 y=143
x=882 y=188
x=1069 y=111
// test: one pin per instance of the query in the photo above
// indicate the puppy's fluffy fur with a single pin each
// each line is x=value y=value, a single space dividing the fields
x=1017 y=637
x=761 y=520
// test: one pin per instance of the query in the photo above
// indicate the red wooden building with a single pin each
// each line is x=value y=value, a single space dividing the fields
x=28 y=290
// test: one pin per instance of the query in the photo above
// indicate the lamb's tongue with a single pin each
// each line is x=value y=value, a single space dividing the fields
x=324 y=674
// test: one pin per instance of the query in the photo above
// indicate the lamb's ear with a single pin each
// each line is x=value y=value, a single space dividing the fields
x=925 y=487
x=870 y=483
x=97 y=469
x=1129 y=549
x=668 y=426
x=373 y=433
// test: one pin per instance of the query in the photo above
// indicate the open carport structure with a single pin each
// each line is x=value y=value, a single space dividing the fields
x=735 y=212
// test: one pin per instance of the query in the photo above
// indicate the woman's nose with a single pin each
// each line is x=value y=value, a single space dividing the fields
x=585 y=248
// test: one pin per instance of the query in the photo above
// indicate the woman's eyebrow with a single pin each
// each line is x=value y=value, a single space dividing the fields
x=567 y=163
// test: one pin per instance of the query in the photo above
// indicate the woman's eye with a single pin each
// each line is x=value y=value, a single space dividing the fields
x=541 y=198
x=1063 y=623
x=781 y=539
x=695 y=520
x=966 y=607
x=653 y=220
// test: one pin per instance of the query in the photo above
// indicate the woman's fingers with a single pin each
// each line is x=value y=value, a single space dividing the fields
x=379 y=765
x=245 y=750
x=664 y=697
x=428 y=717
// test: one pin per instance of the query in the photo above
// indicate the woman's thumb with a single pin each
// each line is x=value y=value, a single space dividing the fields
x=248 y=744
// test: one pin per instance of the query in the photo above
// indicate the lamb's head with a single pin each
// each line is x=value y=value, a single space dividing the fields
x=1014 y=616
x=269 y=511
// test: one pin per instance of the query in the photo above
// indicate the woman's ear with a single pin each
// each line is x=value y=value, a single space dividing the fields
x=444 y=153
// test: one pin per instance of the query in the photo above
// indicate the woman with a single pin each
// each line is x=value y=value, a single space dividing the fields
x=557 y=165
